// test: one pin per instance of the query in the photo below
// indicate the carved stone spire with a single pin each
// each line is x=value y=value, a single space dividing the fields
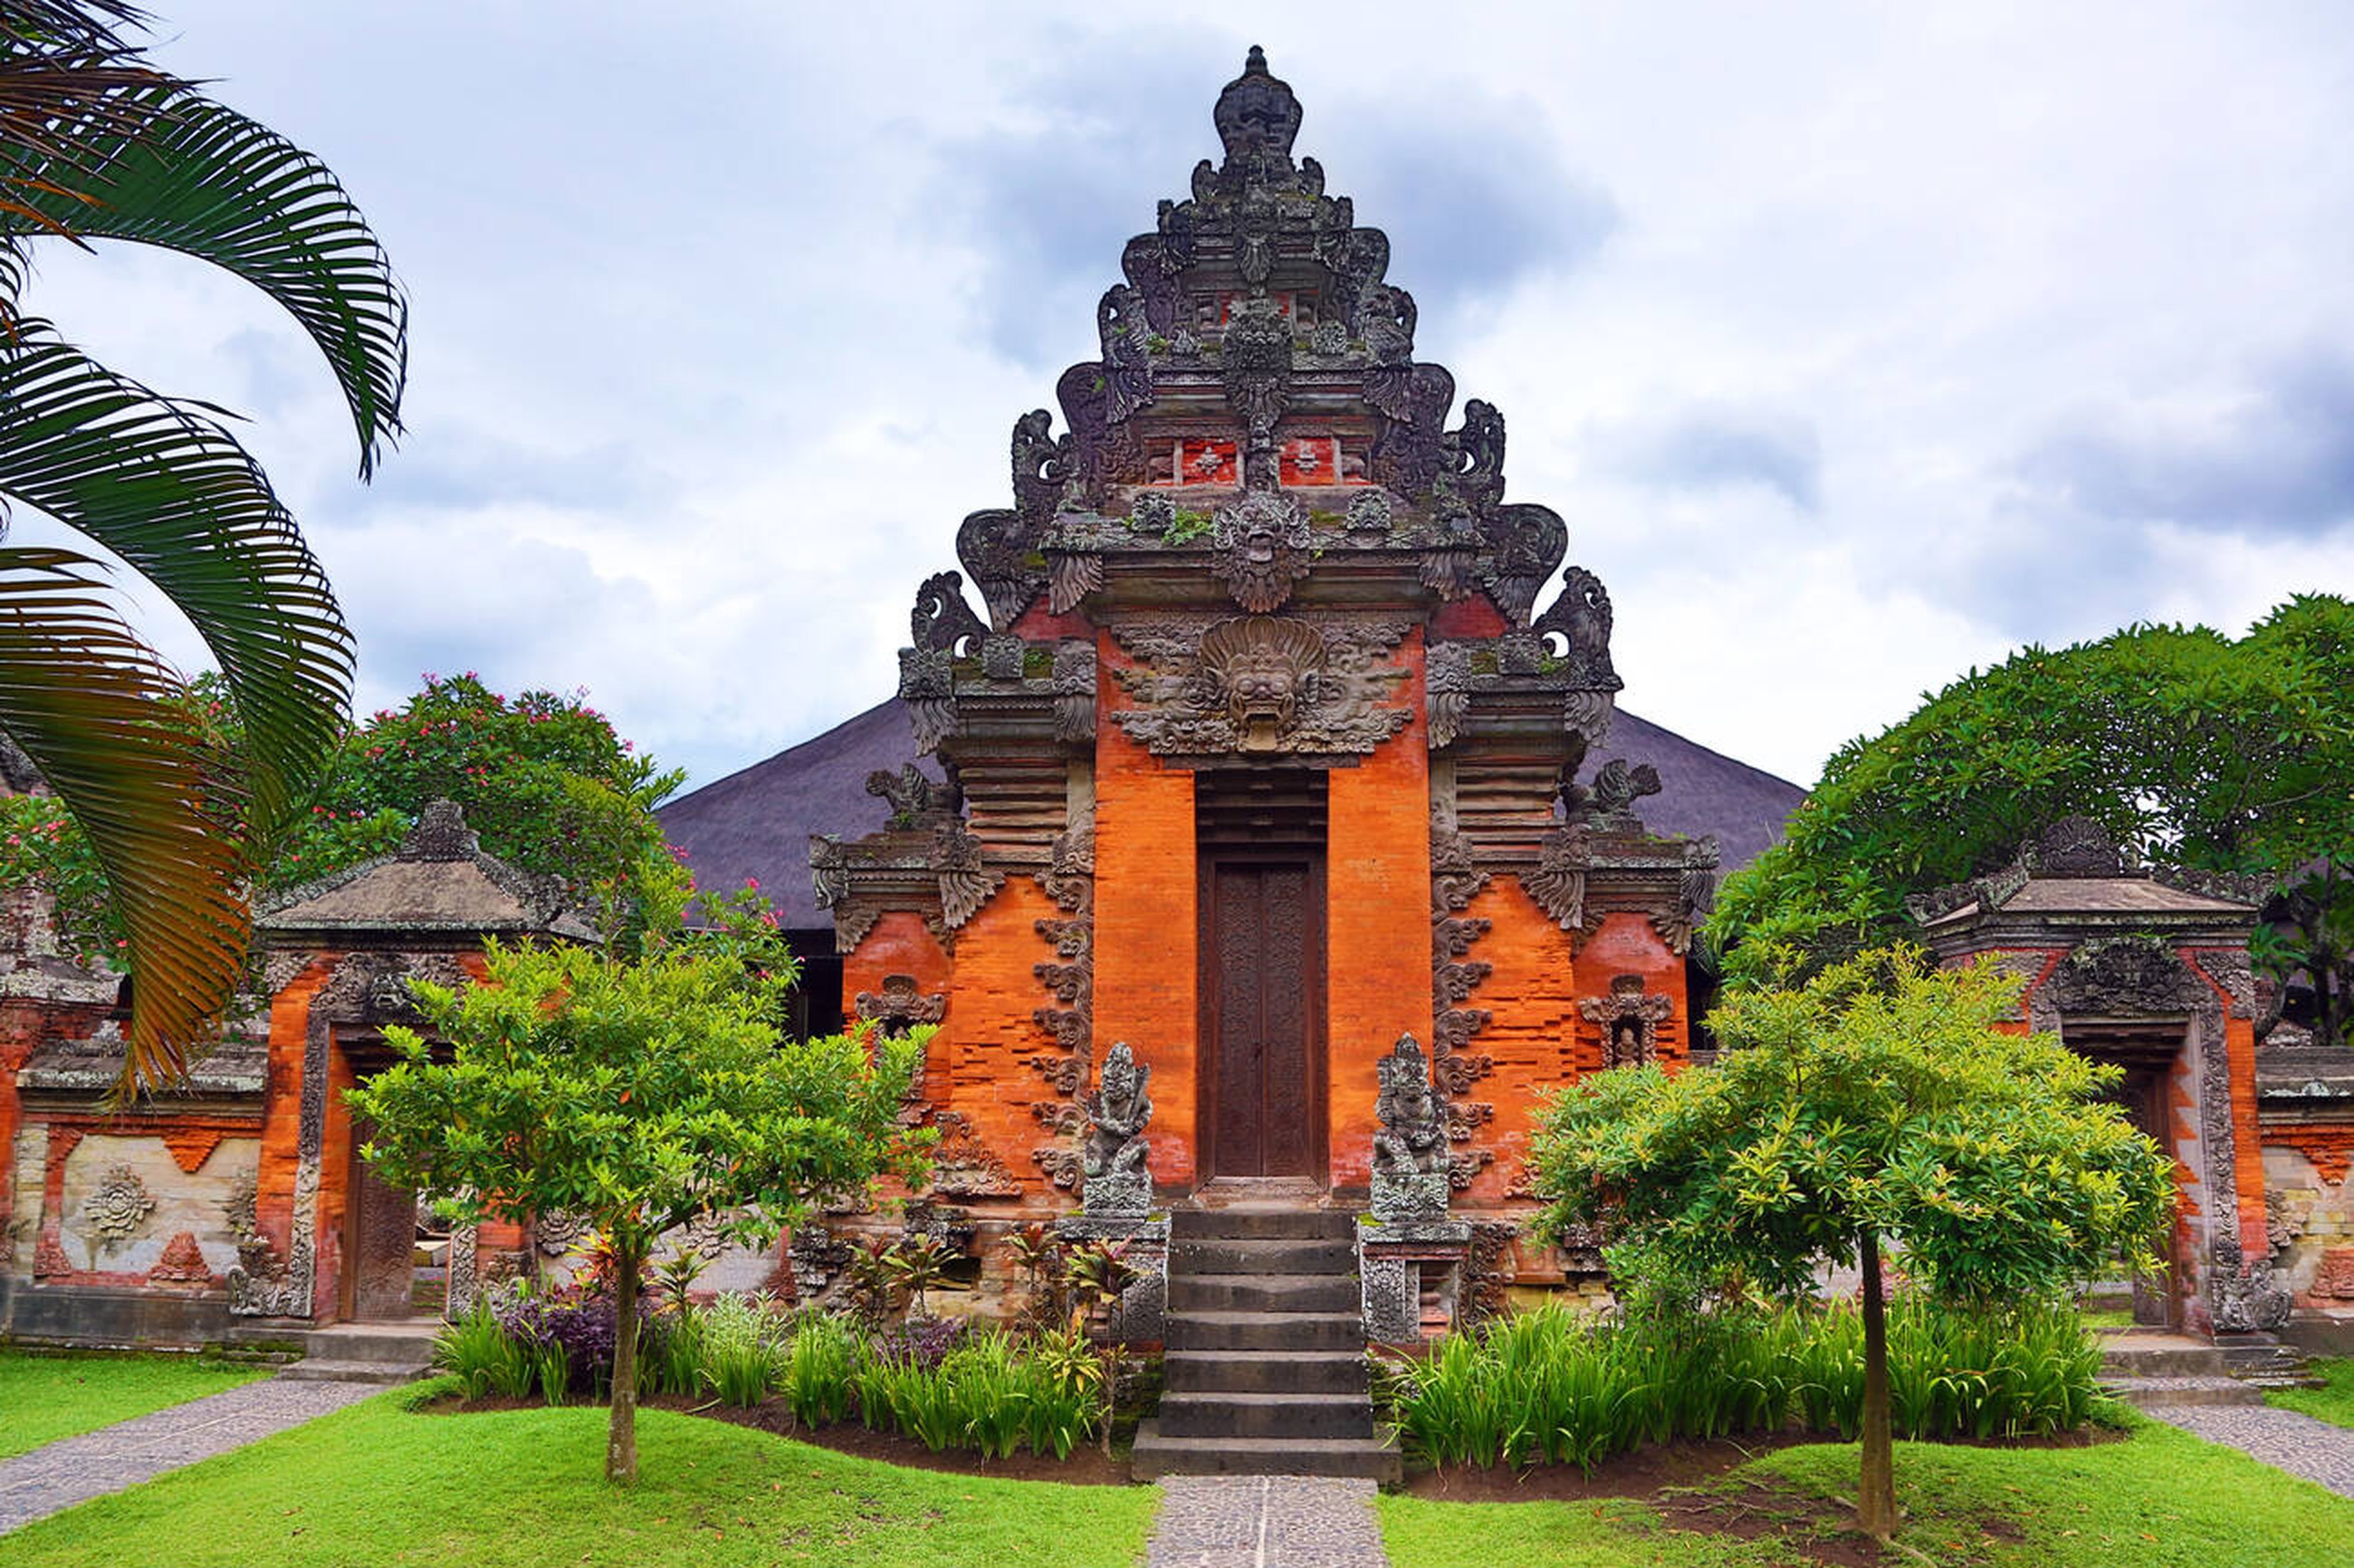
x=1257 y=117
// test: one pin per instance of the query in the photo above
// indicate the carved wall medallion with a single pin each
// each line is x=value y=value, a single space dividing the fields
x=117 y=1209
x=1261 y=542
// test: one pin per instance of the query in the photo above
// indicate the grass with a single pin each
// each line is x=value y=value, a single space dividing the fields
x=2162 y=1498
x=2333 y=1404
x=377 y=1484
x=49 y=1398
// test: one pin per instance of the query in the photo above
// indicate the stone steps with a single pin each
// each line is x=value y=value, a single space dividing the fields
x=2147 y=1392
x=1265 y=1370
x=317 y=1369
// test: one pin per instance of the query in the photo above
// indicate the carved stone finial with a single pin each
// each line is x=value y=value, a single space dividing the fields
x=2075 y=846
x=1118 y=1180
x=441 y=834
x=913 y=794
x=1410 y=1165
x=1258 y=118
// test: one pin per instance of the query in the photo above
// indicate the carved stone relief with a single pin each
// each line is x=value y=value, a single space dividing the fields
x=1257 y=686
x=966 y=881
x=1629 y=1020
x=117 y=1209
x=900 y=1005
x=1261 y=545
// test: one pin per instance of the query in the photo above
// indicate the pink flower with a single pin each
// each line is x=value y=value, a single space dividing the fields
x=753 y=883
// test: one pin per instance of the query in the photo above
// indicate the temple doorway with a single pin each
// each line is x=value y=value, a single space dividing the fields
x=1262 y=984
x=2147 y=1049
x=380 y=1231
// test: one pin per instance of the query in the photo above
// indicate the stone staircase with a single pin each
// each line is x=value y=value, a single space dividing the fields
x=367 y=1353
x=2145 y=1369
x=1265 y=1369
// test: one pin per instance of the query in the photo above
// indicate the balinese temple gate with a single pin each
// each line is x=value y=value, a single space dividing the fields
x=1259 y=751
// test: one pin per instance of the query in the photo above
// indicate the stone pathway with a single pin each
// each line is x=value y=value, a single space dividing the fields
x=75 y=1469
x=2282 y=1438
x=1265 y=1521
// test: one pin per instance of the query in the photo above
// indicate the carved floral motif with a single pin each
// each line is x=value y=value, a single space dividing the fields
x=117 y=1209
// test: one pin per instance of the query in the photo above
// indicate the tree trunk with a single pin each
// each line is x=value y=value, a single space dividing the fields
x=1875 y=1498
x=622 y=1437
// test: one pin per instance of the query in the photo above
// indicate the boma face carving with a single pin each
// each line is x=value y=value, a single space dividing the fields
x=1261 y=667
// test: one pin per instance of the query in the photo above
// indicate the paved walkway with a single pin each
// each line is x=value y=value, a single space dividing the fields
x=2283 y=1438
x=75 y=1469
x=1265 y=1521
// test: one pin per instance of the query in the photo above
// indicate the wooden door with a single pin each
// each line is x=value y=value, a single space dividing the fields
x=1263 y=951
x=380 y=1225
x=2155 y=1303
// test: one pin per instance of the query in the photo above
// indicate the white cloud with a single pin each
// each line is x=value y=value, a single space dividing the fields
x=1780 y=308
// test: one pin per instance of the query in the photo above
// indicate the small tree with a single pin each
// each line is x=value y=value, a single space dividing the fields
x=641 y=1093
x=1873 y=1103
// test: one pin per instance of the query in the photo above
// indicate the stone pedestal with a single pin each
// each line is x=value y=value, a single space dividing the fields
x=1117 y=1195
x=1397 y=1262
x=1139 y=1317
x=1409 y=1198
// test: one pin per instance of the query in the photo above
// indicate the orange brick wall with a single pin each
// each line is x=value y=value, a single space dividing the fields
x=992 y=1016
x=1377 y=920
x=1531 y=996
x=1146 y=923
x=901 y=944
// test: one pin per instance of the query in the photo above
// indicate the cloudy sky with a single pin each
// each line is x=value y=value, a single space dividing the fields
x=1857 y=344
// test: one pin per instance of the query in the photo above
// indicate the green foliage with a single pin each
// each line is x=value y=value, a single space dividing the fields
x=2199 y=750
x=1550 y=1387
x=484 y=1358
x=742 y=1343
x=642 y=1092
x=2333 y=1401
x=1874 y=1097
x=818 y=1362
x=1186 y=526
x=544 y=780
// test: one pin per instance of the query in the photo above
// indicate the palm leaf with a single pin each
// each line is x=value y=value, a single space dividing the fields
x=165 y=487
x=151 y=162
x=85 y=699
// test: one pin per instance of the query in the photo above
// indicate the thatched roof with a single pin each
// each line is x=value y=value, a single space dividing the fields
x=757 y=823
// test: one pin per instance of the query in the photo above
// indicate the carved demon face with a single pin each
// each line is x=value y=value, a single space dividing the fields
x=1261 y=667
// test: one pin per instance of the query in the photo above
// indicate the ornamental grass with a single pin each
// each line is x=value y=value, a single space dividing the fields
x=1549 y=1387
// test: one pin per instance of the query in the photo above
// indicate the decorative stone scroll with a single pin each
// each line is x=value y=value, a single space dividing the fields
x=1581 y=618
x=966 y=882
x=1117 y=1179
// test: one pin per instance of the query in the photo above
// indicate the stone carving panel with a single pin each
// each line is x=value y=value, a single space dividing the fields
x=1196 y=679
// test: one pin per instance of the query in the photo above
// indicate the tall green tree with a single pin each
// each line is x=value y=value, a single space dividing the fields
x=2200 y=750
x=1874 y=1103
x=96 y=144
x=641 y=1093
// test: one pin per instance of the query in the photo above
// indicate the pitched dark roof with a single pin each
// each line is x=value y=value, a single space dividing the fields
x=756 y=823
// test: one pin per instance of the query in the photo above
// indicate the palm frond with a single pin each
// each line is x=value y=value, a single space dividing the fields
x=154 y=163
x=92 y=25
x=167 y=489
x=85 y=699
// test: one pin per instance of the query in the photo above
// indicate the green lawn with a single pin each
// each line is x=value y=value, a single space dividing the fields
x=2334 y=1403
x=44 y=1398
x=2161 y=1499
x=376 y=1484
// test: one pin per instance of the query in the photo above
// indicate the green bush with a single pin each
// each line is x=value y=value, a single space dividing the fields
x=1548 y=1386
x=486 y=1358
x=942 y=1384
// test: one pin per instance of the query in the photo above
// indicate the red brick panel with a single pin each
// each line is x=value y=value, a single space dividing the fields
x=1146 y=914
x=1377 y=919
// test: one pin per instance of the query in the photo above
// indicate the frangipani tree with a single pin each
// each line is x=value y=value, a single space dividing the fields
x=642 y=1094
x=1875 y=1103
x=95 y=145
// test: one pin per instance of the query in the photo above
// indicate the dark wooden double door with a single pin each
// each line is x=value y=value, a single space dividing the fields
x=1262 y=1012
